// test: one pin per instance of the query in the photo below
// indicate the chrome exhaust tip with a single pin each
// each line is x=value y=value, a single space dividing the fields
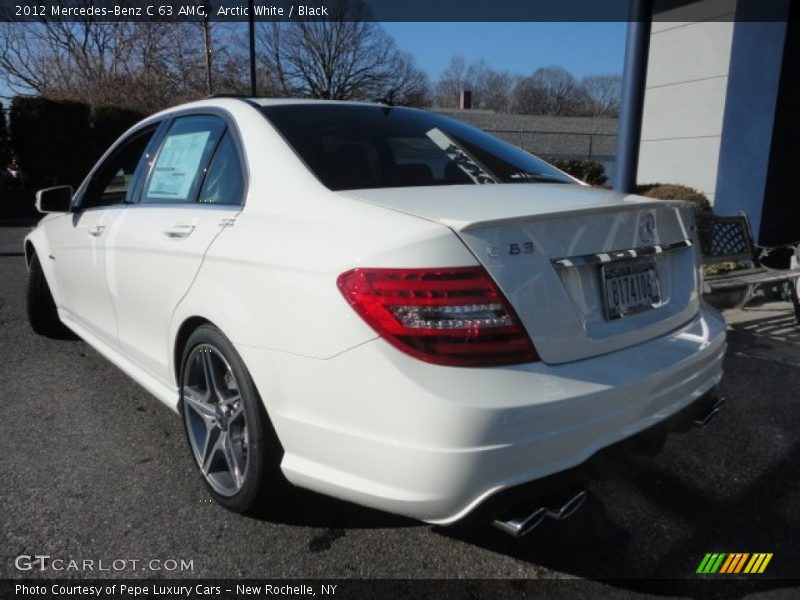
x=713 y=411
x=521 y=526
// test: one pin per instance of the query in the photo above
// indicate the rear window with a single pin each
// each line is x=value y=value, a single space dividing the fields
x=361 y=146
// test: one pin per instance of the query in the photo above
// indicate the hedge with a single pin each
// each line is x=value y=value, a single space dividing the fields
x=110 y=122
x=673 y=191
x=590 y=171
x=58 y=141
x=5 y=146
x=51 y=139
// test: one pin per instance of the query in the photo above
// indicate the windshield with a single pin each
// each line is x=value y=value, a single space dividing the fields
x=351 y=146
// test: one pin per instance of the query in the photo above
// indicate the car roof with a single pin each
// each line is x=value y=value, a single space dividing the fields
x=232 y=100
x=307 y=101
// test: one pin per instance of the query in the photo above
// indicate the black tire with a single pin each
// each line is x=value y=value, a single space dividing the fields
x=41 y=309
x=263 y=483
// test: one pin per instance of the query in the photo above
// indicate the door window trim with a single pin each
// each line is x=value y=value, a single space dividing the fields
x=229 y=126
x=162 y=126
x=111 y=153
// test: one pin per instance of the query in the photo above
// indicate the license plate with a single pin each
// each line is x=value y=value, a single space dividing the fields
x=630 y=287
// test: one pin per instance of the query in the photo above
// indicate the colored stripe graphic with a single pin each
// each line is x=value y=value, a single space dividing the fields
x=728 y=563
x=739 y=562
x=758 y=563
x=711 y=563
x=733 y=563
x=765 y=563
x=703 y=563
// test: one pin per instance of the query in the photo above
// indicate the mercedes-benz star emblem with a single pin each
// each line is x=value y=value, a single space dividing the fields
x=647 y=228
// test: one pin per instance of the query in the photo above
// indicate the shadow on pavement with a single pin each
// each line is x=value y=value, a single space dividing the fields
x=309 y=509
x=597 y=544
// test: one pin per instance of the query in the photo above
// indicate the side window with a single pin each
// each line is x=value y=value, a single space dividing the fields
x=112 y=182
x=224 y=183
x=179 y=166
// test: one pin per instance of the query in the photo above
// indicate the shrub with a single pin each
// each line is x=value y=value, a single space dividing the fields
x=591 y=171
x=51 y=139
x=110 y=122
x=673 y=191
x=5 y=147
x=58 y=141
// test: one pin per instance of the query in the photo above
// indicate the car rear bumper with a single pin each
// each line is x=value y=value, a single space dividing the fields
x=385 y=430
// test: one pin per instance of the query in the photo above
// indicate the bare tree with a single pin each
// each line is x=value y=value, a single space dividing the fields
x=490 y=89
x=143 y=65
x=344 y=58
x=452 y=80
x=605 y=94
x=551 y=91
x=495 y=90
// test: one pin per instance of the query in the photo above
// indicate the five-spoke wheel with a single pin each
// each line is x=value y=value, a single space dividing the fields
x=215 y=419
x=229 y=433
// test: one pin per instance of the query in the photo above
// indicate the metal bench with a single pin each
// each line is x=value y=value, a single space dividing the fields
x=728 y=239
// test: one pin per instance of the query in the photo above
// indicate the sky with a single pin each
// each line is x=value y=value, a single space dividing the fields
x=521 y=48
x=581 y=48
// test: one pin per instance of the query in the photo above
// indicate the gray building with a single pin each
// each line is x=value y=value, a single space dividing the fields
x=549 y=137
x=721 y=108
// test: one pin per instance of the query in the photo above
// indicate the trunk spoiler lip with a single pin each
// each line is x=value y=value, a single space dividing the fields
x=631 y=204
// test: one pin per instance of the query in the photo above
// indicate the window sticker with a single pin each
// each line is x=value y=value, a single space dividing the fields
x=177 y=166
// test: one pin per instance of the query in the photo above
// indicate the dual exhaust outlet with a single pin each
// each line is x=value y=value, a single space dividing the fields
x=522 y=525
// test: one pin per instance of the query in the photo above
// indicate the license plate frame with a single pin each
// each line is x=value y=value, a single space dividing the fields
x=633 y=283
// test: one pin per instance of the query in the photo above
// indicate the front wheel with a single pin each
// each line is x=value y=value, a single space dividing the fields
x=40 y=306
x=229 y=434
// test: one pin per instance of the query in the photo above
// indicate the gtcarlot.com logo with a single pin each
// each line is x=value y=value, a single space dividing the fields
x=44 y=562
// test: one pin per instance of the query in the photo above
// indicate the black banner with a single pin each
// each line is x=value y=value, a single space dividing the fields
x=381 y=10
x=385 y=589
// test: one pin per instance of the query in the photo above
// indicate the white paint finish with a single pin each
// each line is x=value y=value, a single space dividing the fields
x=76 y=244
x=562 y=311
x=691 y=162
x=684 y=110
x=270 y=281
x=483 y=429
x=149 y=272
x=358 y=418
x=466 y=206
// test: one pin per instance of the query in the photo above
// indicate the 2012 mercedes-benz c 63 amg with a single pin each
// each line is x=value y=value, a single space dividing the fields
x=377 y=303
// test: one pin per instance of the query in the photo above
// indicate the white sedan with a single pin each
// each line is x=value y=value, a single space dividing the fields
x=377 y=303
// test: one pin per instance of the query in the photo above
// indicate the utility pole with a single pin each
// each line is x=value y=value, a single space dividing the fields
x=629 y=133
x=207 y=47
x=251 y=24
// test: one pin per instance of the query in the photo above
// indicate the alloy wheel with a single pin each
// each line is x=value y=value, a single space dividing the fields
x=216 y=421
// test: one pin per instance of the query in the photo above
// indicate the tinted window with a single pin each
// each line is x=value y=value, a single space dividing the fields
x=180 y=164
x=223 y=183
x=352 y=146
x=113 y=181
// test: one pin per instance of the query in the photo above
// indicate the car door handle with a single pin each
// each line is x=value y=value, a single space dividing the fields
x=179 y=231
x=97 y=230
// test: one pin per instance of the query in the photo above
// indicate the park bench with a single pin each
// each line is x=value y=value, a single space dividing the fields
x=728 y=240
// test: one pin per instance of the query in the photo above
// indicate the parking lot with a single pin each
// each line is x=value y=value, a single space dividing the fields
x=95 y=468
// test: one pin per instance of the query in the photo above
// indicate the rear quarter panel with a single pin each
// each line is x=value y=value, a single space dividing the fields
x=269 y=281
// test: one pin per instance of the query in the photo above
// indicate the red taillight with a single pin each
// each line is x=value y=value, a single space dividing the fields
x=454 y=316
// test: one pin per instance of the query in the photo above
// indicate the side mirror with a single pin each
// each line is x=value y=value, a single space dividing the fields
x=54 y=199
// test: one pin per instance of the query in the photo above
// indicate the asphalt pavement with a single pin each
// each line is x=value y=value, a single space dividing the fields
x=95 y=468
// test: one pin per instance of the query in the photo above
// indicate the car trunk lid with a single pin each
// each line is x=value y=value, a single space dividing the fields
x=564 y=255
